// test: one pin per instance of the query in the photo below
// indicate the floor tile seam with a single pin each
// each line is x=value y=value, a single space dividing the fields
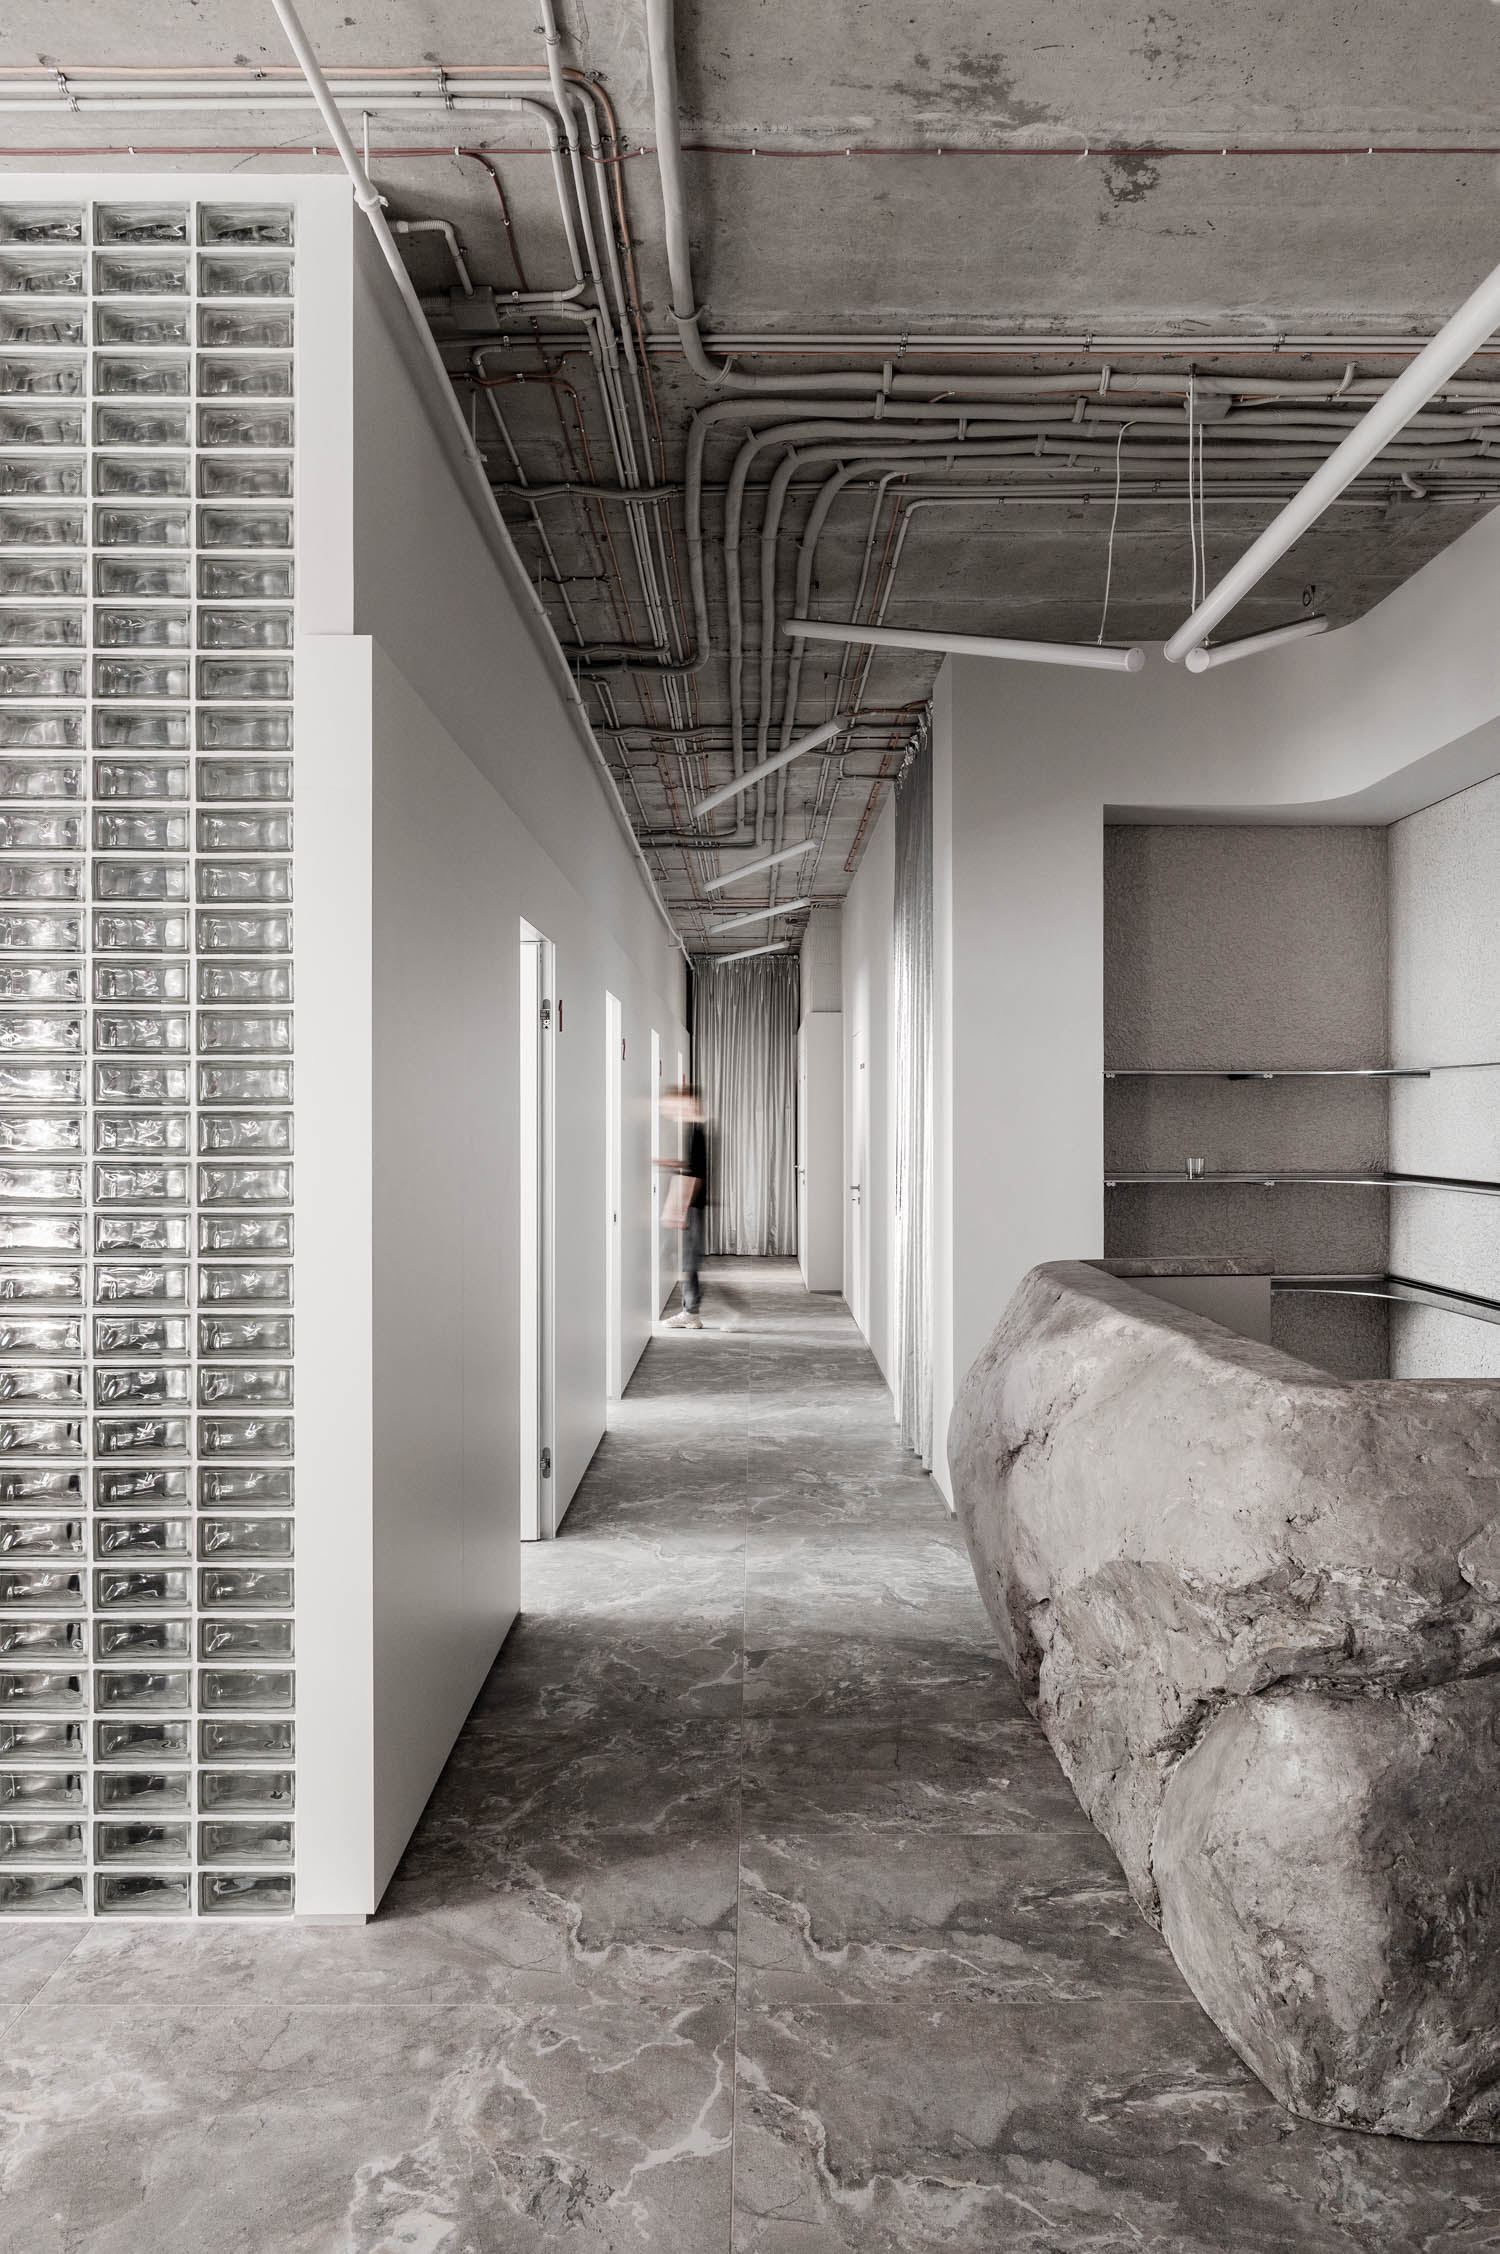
x=7 y=2025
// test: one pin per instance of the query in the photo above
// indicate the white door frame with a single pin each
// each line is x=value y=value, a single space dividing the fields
x=537 y=1090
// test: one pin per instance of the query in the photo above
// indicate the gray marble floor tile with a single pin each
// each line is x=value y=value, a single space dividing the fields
x=662 y=1670
x=29 y=1956
x=907 y=1777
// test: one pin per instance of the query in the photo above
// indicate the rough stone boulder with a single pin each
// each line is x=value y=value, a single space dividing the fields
x=1257 y=1611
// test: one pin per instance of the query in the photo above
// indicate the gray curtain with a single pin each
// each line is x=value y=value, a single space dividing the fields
x=745 y=1018
x=911 y=966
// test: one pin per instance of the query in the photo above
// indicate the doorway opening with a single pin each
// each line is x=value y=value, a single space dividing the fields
x=614 y=1071
x=859 y=1153
x=656 y=1152
x=536 y=1082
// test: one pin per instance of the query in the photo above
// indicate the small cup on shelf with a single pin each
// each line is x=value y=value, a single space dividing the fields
x=1194 y=1169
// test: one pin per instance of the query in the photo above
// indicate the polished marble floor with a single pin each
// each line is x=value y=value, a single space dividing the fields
x=751 y=1916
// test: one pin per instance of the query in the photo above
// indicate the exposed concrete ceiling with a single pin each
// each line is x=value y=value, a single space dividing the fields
x=1226 y=219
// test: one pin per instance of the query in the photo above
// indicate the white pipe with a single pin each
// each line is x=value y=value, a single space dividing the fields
x=367 y=196
x=446 y=229
x=762 y=915
x=766 y=861
x=776 y=947
x=1203 y=661
x=1456 y=341
x=1090 y=654
x=753 y=775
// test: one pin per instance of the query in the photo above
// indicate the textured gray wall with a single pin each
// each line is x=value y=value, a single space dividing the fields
x=1445 y=1009
x=1251 y=946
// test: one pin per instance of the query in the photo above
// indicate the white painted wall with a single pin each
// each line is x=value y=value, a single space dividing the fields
x=820 y=1150
x=1445 y=1009
x=869 y=1119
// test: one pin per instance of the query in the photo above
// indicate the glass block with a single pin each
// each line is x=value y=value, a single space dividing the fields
x=243 y=982
x=227 y=629
x=55 y=1388
x=143 y=1894
x=141 y=1842
x=26 y=1893
x=46 y=223
x=40 y=880
x=248 y=1284
x=228 y=728
x=252 y=780
x=39 y=1233
x=140 y=982
x=270 y=1388
x=30 y=1738
x=152 y=1436
x=141 y=934
x=232 y=378
x=143 y=1032
x=62 y=677
x=238 y=578
x=31 y=323
x=141 y=324
x=226 y=1185
x=39 y=426
x=250 y=226
x=167 y=1687
x=140 y=1184
x=141 y=629
x=243 y=1687
x=140 y=528
x=147 y=476
x=116 y=729
x=50 y=1185
x=140 y=1334
x=142 y=1742
x=249 y=1842
x=240 y=1083
x=25 y=1841
x=231 y=477
x=140 y=778
x=253 y=1235
x=119 y=377
x=142 y=1588
x=246 y=1894
x=33 y=273
x=233 y=1790
x=22 y=1281
x=234 y=1586
x=25 y=1790
x=58 y=730
x=224 y=679
x=253 y=933
x=249 y=1538
x=163 y=1233
x=40 y=1334
x=62 y=528
x=238 y=1486
x=42 y=1639
x=139 y=677
x=41 y=1586
x=251 y=1033
x=142 y=1791
x=162 y=1133
x=43 y=982
x=245 y=327
x=232 y=528
x=54 y=935
x=114 y=1284
x=146 y=277
x=61 y=475
x=45 y=1687
x=140 y=1537
x=45 y=629
x=238 y=1436
x=153 y=1383
x=248 y=1132
x=246 y=1738
x=40 y=1436
x=242 y=277
x=149 y=425
x=244 y=1334
x=244 y=1639
x=140 y=223
x=140 y=1486
x=40 y=1537
x=50 y=831
x=142 y=1640
x=44 y=379
x=36 y=1031
x=132 y=579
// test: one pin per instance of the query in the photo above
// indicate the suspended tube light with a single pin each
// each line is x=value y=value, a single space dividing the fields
x=763 y=915
x=777 y=947
x=754 y=868
x=1097 y=655
x=1203 y=661
x=753 y=775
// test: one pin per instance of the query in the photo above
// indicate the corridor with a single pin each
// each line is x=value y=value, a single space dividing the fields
x=751 y=1912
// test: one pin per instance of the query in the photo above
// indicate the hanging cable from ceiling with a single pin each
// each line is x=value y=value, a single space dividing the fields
x=1114 y=518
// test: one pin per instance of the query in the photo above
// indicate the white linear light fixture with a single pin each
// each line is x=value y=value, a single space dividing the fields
x=763 y=915
x=1225 y=653
x=753 y=775
x=1098 y=656
x=776 y=947
x=1459 y=338
x=754 y=868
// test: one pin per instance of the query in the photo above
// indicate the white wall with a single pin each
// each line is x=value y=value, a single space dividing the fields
x=869 y=1118
x=1445 y=1009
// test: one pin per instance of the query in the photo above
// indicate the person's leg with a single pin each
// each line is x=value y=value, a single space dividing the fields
x=692 y=1255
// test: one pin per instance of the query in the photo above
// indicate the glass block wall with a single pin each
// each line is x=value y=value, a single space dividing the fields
x=146 y=1327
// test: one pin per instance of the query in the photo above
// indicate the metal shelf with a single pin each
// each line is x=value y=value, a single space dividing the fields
x=1295 y=1072
x=1175 y=1178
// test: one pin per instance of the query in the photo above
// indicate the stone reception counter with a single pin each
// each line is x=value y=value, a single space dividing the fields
x=1256 y=1610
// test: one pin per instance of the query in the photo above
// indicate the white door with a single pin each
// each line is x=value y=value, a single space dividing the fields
x=534 y=1081
x=614 y=1062
x=655 y=1174
x=802 y=1124
x=859 y=1154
